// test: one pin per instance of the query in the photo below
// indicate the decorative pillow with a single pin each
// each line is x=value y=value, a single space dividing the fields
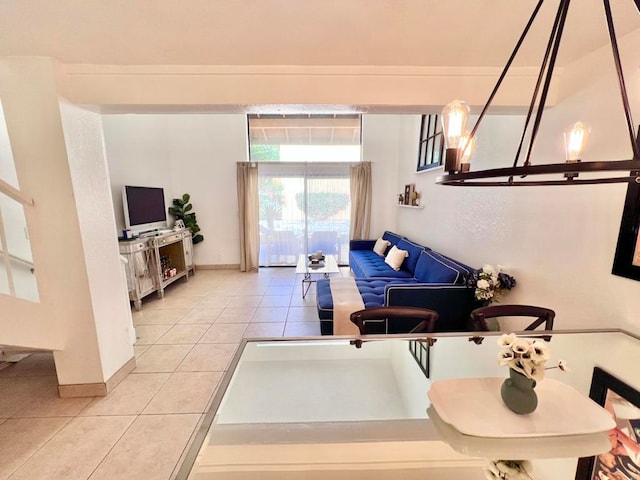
x=395 y=257
x=381 y=246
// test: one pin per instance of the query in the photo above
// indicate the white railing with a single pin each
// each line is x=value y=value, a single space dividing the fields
x=16 y=195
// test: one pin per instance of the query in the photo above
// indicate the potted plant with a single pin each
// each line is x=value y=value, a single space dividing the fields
x=182 y=210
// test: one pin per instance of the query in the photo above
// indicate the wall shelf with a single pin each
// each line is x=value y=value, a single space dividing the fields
x=411 y=206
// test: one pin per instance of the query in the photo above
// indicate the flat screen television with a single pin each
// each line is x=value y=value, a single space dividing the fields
x=144 y=208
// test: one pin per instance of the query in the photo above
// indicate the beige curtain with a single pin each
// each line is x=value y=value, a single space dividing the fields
x=249 y=216
x=360 y=176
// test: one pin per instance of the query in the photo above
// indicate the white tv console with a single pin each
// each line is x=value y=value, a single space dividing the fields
x=153 y=262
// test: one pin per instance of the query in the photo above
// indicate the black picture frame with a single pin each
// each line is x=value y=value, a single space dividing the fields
x=431 y=145
x=626 y=262
x=605 y=389
x=407 y=194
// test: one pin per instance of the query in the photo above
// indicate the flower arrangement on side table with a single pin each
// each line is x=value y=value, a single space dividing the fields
x=490 y=283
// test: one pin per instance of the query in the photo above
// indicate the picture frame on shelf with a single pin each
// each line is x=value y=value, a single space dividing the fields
x=408 y=192
x=623 y=402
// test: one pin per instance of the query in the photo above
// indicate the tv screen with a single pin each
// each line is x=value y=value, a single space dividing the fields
x=144 y=207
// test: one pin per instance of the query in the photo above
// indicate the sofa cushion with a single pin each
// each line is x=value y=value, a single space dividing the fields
x=371 y=290
x=414 y=250
x=434 y=268
x=395 y=258
x=392 y=237
x=366 y=264
x=381 y=246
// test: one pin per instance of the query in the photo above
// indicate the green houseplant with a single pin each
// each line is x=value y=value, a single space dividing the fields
x=182 y=210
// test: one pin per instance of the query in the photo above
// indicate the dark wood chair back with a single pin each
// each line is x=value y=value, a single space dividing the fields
x=428 y=318
x=542 y=316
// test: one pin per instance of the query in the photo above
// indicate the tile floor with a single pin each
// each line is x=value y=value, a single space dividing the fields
x=142 y=428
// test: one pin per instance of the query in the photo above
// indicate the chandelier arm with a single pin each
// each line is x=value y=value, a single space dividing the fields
x=506 y=68
x=477 y=178
x=562 y=9
x=621 y=82
x=534 y=96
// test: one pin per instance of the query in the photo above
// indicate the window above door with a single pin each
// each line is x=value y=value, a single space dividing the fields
x=305 y=138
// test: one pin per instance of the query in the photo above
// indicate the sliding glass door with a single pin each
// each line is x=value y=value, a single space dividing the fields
x=304 y=189
x=304 y=208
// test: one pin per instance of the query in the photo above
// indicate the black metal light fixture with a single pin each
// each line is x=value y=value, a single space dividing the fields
x=460 y=145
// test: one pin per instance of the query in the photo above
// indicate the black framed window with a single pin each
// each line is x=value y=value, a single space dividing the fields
x=431 y=148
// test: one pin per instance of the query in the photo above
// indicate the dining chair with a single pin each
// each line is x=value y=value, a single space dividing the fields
x=417 y=320
x=542 y=315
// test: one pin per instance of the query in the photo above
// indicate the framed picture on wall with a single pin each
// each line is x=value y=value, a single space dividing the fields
x=623 y=402
x=626 y=262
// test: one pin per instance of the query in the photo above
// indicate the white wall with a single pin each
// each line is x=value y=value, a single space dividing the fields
x=381 y=145
x=197 y=153
x=193 y=154
x=558 y=242
x=92 y=191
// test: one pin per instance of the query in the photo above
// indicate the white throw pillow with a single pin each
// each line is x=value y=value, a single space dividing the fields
x=381 y=246
x=395 y=257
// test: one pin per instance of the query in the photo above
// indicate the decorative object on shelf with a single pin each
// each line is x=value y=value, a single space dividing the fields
x=508 y=470
x=415 y=199
x=182 y=211
x=179 y=225
x=490 y=283
x=401 y=199
x=459 y=173
x=623 y=402
x=526 y=359
x=408 y=190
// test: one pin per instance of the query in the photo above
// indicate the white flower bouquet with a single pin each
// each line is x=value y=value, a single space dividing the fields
x=508 y=470
x=526 y=356
x=490 y=283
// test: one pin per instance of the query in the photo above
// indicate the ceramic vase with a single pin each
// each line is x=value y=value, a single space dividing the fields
x=518 y=393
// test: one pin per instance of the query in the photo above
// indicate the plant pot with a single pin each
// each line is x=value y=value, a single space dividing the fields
x=518 y=393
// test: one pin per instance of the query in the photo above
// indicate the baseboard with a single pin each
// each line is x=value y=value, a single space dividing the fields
x=99 y=389
x=220 y=266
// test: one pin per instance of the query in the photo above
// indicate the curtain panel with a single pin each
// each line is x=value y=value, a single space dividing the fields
x=247 y=173
x=360 y=178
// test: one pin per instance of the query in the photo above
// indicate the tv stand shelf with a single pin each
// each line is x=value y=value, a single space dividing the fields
x=155 y=262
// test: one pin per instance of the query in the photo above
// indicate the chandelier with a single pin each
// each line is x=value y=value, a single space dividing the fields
x=523 y=172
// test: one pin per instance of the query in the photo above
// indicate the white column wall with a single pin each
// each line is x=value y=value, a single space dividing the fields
x=92 y=192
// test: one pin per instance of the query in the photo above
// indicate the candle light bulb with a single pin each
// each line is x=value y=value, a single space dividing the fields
x=575 y=139
x=454 y=122
x=468 y=144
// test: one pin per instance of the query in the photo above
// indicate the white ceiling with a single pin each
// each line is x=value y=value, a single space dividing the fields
x=302 y=32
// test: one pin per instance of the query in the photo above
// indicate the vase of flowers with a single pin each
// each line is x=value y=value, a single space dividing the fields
x=508 y=470
x=526 y=359
x=518 y=393
x=490 y=283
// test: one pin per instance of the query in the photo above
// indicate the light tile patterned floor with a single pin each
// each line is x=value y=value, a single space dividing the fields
x=141 y=429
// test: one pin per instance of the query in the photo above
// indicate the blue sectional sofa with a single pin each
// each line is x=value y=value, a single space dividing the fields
x=426 y=279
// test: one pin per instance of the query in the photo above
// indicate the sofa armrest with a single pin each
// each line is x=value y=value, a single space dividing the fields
x=361 y=244
x=454 y=303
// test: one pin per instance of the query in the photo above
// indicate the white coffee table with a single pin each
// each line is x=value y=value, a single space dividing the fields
x=303 y=268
